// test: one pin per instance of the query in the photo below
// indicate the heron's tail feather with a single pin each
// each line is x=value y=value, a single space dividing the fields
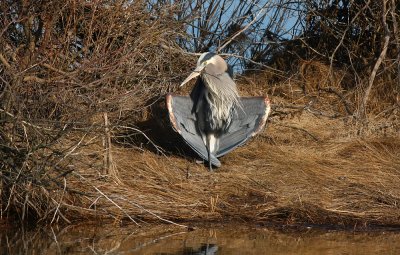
x=184 y=122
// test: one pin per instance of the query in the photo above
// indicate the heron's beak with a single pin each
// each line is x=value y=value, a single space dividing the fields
x=194 y=74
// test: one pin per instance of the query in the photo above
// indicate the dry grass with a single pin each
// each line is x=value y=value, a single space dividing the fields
x=65 y=67
x=281 y=176
x=313 y=164
x=304 y=168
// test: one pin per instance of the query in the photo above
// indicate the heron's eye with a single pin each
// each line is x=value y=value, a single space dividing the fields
x=205 y=63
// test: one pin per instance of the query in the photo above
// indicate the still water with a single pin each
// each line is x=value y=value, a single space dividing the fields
x=109 y=239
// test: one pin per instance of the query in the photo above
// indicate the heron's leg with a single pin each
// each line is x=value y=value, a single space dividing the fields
x=209 y=148
x=209 y=159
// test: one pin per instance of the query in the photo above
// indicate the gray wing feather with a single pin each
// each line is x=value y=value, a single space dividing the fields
x=246 y=123
x=184 y=122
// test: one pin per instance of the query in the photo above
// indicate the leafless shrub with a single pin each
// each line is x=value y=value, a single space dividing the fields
x=62 y=66
x=359 y=38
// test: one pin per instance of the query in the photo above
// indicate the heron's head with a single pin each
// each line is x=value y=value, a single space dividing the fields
x=212 y=60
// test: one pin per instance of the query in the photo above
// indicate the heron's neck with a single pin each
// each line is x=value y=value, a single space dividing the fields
x=222 y=98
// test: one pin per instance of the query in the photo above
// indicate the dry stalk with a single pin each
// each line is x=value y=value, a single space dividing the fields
x=153 y=214
x=313 y=136
x=213 y=203
x=115 y=204
x=56 y=211
x=107 y=161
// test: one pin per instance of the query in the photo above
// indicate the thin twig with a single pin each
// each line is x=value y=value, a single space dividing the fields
x=59 y=203
x=349 y=26
x=155 y=215
x=241 y=31
x=114 y=203
x=158 y=148
x=301 y=129
x=340 y=95
x=24 y=122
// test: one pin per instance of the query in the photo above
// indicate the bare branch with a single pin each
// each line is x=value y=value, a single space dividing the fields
x=363 y=110
x=241 y=31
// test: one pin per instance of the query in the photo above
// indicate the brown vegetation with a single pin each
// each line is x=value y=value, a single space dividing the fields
x=301 y=169
x=84 y=131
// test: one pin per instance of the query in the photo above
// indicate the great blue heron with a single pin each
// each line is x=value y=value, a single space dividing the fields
x=214 y=119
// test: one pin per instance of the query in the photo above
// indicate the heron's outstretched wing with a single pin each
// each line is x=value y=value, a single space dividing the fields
x=183 y=120
x=246 y=123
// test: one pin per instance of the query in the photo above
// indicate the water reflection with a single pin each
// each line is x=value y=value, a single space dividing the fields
x=205 y=249
x=168 y=240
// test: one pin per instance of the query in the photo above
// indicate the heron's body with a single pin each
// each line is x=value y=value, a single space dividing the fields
x=212 y=107
x=218 y=116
